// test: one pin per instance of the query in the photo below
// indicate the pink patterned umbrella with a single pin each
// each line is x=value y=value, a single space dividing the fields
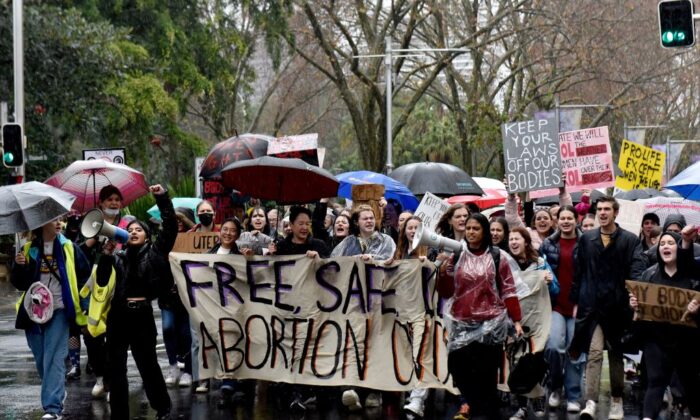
x=85 y=178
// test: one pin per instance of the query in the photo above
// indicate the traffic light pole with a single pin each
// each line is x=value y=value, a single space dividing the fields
x=18 y=56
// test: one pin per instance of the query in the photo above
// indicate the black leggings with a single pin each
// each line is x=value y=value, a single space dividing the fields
x=661 y=364
x=474 y=369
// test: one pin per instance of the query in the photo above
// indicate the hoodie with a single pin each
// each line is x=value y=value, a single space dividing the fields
x=651 y=254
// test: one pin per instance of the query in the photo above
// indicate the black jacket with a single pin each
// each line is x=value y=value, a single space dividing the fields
x=150 y=264
x=287 y=247
x=599 y=286
x=669 y=336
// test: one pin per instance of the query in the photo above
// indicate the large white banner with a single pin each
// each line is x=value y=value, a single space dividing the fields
x=315 y=321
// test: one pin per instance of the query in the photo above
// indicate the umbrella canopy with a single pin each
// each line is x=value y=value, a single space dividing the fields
x=392 y=188
x=27 y=206
x=243 y=147
x=575 y=198
x=440 y=179
x=666 y=206
x=492 y=197
x=687 y=183
x=85 y=178
x=489 y=183
x=288 y=181
x=186 y=202
x=644 y=193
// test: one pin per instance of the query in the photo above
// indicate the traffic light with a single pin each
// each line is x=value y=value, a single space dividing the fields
x=12 y=147
x=676 y=25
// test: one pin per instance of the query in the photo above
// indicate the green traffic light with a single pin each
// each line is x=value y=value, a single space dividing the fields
x=8 y=158
x=668 y=37
x=680 y=36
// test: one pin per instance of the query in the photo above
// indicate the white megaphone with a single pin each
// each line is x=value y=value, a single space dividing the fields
x=425 y=236
x=94 y=224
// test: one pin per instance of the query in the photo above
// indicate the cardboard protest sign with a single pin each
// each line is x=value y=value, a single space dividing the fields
x=641 y=166
x=315 y=321
x=531 y=154
x=195 y=242
x=662 y=303
x=302 y=147
x=369 y=194
x=630 y=215
x=431 y=209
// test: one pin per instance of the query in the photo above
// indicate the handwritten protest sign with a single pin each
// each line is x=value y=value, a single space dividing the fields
x=196 y=242
x=641 y=166
x=662 y=303
x=431 y=209
x=531 y=154
x=586 y=160
x=315 y=321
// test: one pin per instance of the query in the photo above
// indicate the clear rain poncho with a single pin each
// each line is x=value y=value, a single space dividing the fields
x=476 y=312
x=379 y=246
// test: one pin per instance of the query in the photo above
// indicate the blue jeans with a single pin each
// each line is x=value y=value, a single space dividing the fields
x=562 y=370
x=177 y=336
x=49 y=345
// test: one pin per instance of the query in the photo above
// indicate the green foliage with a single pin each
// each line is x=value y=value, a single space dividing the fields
x=430 y=134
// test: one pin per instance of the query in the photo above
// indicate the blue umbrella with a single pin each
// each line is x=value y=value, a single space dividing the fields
x=392 y=188
x=187 y=202
x=687 y=183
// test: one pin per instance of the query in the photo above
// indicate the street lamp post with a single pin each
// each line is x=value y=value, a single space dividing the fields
x=389 y=55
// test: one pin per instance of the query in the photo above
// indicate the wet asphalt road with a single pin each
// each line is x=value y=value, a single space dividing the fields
x=20 y=389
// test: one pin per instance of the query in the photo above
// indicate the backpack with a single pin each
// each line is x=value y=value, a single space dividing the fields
x=527 y=370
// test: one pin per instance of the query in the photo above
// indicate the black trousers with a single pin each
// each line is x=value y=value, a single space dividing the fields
x=97 y=354
x=661 y=364
x=135 y=329
x=474 y=369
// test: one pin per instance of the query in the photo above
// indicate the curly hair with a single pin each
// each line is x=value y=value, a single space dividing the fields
x=531 y=253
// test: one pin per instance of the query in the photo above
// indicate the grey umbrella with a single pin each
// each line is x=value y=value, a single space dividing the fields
x=440 y=179
x=30 y=205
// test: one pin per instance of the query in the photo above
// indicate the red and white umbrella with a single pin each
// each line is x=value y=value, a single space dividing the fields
x=492 y=197
x=85 y=178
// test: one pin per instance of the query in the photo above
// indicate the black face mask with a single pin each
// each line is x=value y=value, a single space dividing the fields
x=206 y=219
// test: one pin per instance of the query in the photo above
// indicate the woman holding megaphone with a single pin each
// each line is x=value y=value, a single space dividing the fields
x=142 y=274
x=482 y=308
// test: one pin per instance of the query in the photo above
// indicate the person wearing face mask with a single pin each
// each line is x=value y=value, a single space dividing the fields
x=142 y=274
x=561 y=250
x=205 y=214
x=668 y=348
x=110 y=203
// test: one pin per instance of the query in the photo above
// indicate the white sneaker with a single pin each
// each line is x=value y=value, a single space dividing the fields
x=554 y=399
x=185 y=380
x=99 y=389
x=51 y=416
x=617 y=412
x=589 y=411
x=351 y=400
x=374 y=399
x=173 y=375
x=521 y=414
x=202 y=387
x=415 y=407
x=573 y=406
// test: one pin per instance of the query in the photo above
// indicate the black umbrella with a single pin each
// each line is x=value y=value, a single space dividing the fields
x=289 y=181
x=642 y=194
x=575 y=198
x=440 y=179
x=245 y=146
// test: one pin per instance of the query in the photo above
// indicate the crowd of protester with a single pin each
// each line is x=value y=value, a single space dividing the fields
x=581 y=256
